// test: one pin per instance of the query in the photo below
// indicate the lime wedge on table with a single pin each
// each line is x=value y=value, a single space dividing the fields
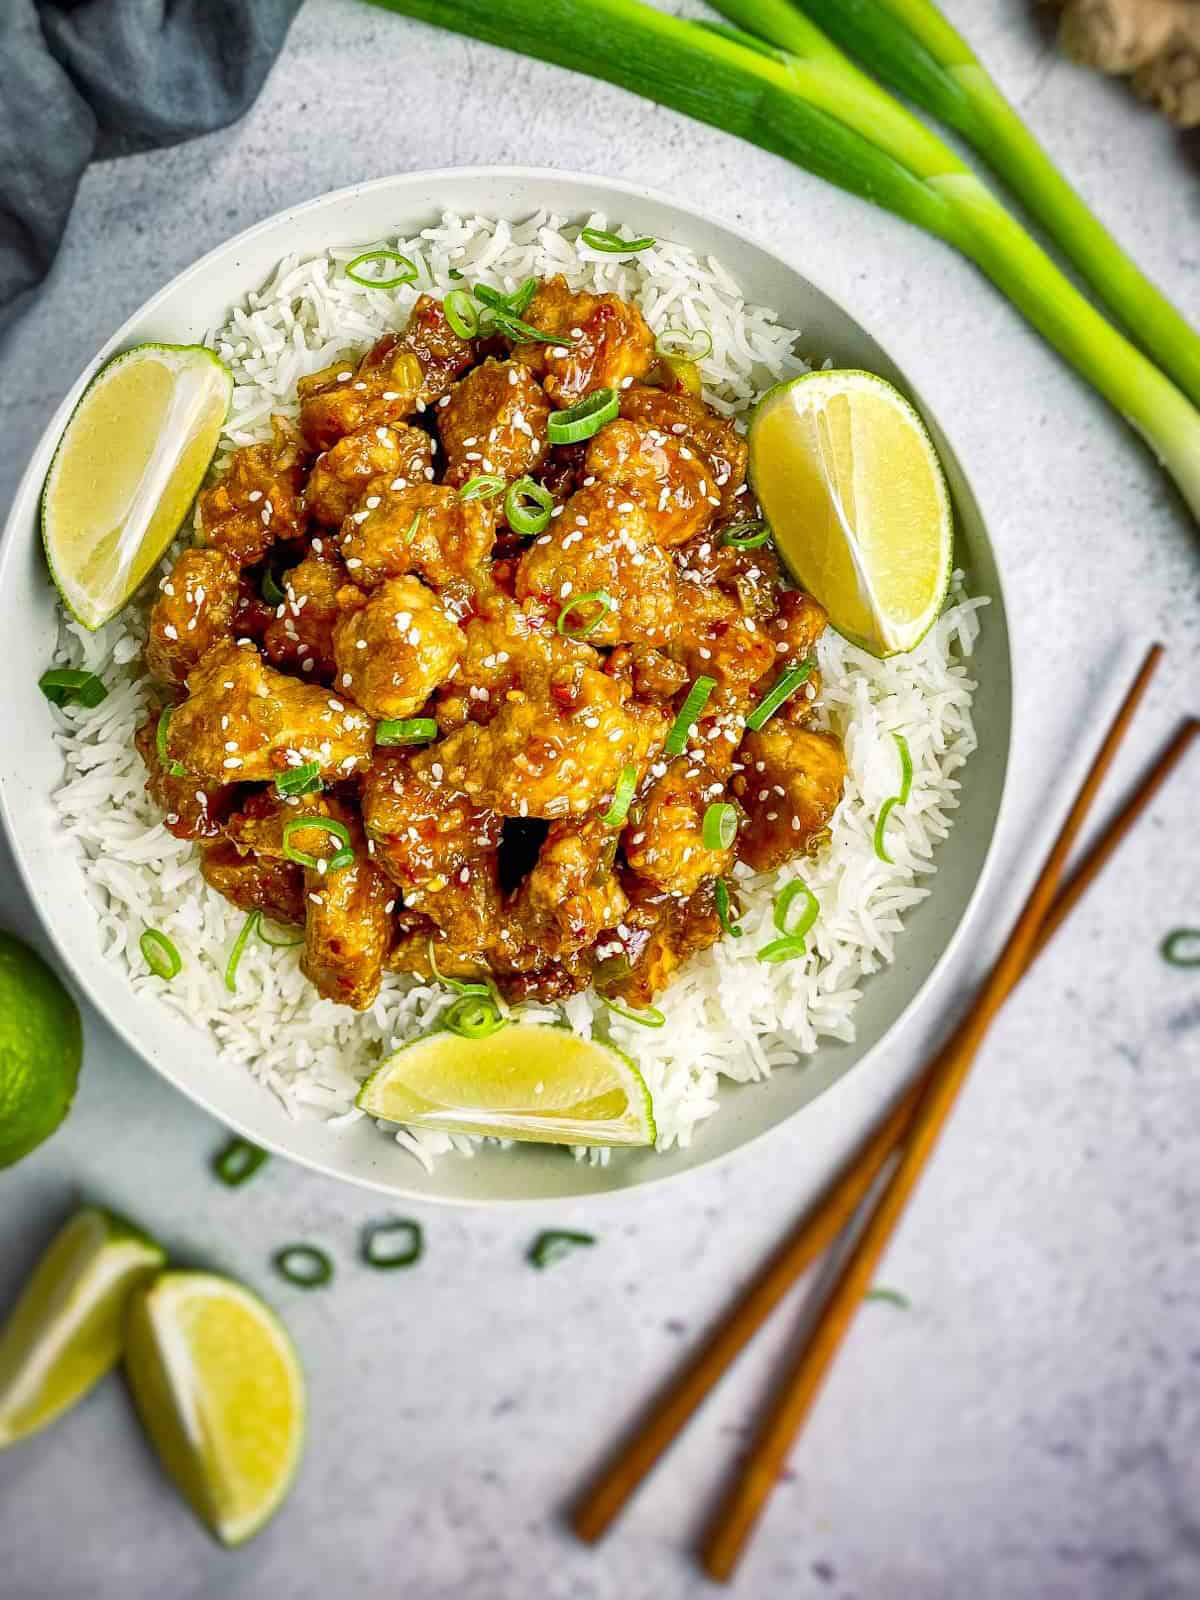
x=41 y=1047
x=126 y=470
x=67 y=1329
x=850 y=482
x=219 y=1390
x=526 y=1081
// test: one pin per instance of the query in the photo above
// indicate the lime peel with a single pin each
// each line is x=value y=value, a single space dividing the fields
x=529 y=1081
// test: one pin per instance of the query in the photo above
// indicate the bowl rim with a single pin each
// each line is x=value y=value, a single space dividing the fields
x=27 y=492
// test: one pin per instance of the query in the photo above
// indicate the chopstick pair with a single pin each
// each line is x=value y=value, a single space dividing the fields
x=908 y=1133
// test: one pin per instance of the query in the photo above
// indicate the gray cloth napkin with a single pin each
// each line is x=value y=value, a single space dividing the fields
x=81 y=79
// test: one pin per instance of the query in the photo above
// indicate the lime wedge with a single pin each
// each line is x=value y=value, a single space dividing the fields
x=850 y=482
x=41 y=1047
x=219 y=1390
x=526 y=1081
x=126 y=470
x=66 y=1330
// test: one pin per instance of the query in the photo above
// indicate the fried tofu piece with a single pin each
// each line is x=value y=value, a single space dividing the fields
x=669 y=476
x=602 y=542
x=508 y=647
x=361 y=466
x=664 y=843
x=255 y=883
x=190 y=810
x=257 y=502
x=495 y=422
x=348 y=928
x=553 y=754
x=572 y=892
x=790 y=785
x=299 y=636
x=423 y=529
x=243 y=722
x=382 y=390
x=605 y=340
x=195 y=607
x=395 y=649
x=679 y=415
x=440 y=353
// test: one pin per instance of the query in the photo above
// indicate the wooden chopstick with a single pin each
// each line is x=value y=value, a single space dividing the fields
x=815 y=1231
x=738 y=1514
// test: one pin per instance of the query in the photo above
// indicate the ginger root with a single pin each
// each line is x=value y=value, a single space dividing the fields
x=1155 y=41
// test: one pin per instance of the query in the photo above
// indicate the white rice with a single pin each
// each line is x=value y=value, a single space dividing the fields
x=727 y=1014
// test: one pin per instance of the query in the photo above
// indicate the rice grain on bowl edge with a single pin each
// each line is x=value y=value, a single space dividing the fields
x=727 y=1014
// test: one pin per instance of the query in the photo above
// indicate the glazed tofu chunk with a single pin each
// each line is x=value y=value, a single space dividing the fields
x=660 y=939
x=195 y=607
x=255 y=883
x=508 y=647
x=605 y=341
x=348 y=928
x=361 y=466
x=257 y=502
x=427 y=836
x=602 y=544
x=683 y=416
x=299 y=637
x=243 y=722
x=440 y=354
x=553 y=755
x=381 y=390
x=495 y=423
x=572 y=892
x=394 y=650
x=190 y=810
x=668 y=475
x=423 y=529
x=790 y=785
x=664 y=844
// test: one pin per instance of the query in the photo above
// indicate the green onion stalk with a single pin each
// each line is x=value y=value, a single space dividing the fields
x=810 y=104
x=910 y=45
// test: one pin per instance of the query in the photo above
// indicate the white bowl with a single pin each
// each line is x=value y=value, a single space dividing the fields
x=183 y=312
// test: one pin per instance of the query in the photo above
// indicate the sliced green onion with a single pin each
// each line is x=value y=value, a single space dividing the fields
x=527 y=507
x=339 y=831
x=585 y=418
x=474 y=1016
x=304 y=779
x=889 y=805
x=269 y=588
x=461 y=313
x=518 y=300
x=174 y=769
x=387 y=1245
x=648 y=1017
x=892 y=1297
x=517 y=330
x=235 y=955
x=288 y=942
x=809 y=104
x=782 y=689
x=685 y=344
x=615 y=816
x=612 y=244
x=72 y=685
x=1175 y=947
x=484 y=486
x=456 y=274
x=747 y=534
x=407 y=273
x=580 y=630
x=405 y=730
x=783 y=905
x=161 y=955
x=721 y=895
x=457 y=984
x=719 y=828
x=612 y=969
x=238 y=1162
x=304 y=1265
x=412 y=527
x=785 y=949
x=693 y=705
x=554 y=1244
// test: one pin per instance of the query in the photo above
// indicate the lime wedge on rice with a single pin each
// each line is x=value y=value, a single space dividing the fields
x=67 y=1329
x=526 y=1081
x=126 y=470
x=219 y=1389
x=850 y=482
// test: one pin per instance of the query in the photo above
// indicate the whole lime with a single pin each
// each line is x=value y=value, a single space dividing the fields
x=41 y=1046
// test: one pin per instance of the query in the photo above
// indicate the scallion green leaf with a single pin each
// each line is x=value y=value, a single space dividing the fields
x=405 y=730
x=898 y=799
x=646 y=1017
x=396 y=1243
x=694 y=703
x=305 y=779
x=599 y=598
x=235 y=955
x=554 y=1244
x=1181 y=947
x=162 y=957
x=474 y=1016
x=238 y=1162
x=304 y=1265
x=615 y=816
x=331 y=825
x=72 y=686
x=782 y=689
x=483 y=486
x=747 y=534
x=461 y=313
x=810 y=911
x=612 y=244
x=721 y=895
x=527 y=507
x=585 y=418
x=406 y=274
x=685 y=344
x=719 y=828
x=174 y=769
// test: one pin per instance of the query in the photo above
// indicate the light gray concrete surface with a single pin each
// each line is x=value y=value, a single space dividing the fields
x=1031 y=1427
